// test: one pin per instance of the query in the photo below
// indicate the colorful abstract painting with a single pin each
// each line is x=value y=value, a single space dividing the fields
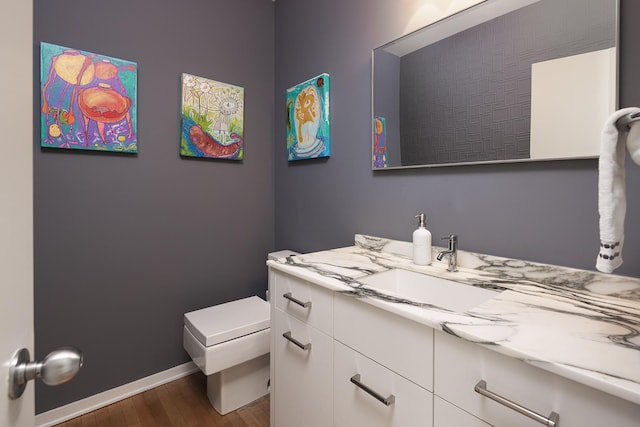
x=212 y=119
x=308 y=123
x=88 y=101
x=380 y=159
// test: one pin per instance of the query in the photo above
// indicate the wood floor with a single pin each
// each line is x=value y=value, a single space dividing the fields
x=179 y=403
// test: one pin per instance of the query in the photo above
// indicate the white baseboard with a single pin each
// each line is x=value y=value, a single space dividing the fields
x=100 y=400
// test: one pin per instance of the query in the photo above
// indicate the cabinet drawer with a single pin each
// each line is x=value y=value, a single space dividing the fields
x=310 y=303
x=302 y=378
x=459 y=365
x=382 y=336
x=353 y=406
x=447 y=415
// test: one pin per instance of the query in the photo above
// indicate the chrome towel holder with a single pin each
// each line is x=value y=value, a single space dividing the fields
x=624 y=123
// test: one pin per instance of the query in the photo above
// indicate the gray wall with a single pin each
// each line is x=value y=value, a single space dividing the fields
x=124 y=245
x=543 y=211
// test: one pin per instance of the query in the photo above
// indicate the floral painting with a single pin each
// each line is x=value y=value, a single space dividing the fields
x=212 y=119
x=88 y=101
x=308 y=119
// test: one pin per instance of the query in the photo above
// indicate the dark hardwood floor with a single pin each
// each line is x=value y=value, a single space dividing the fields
x=179 y=403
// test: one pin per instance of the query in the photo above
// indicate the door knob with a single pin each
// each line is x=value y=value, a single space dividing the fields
x=58 y=367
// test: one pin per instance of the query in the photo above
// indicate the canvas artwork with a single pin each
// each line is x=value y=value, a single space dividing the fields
x=88 y=101
x=212 y=119
x=308 y=119
x=380 y=159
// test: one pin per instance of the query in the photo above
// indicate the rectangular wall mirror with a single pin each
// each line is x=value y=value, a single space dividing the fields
x=501 y=81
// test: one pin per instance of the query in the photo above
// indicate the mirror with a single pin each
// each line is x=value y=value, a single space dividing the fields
x=501 y=81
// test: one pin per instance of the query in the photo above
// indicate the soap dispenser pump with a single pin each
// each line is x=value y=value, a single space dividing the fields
x=421 y=243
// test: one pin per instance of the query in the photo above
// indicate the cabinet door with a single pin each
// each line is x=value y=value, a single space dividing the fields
x=400 y=344
x=302 y=380
x=407 y=405
x=447 y=415
x=459 y=365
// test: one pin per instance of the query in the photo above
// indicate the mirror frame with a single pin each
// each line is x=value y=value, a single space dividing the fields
x=464 y=19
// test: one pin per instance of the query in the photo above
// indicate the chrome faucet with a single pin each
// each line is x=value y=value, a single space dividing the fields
x=451 y=253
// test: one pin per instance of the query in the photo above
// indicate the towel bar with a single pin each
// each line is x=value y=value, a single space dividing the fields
x=624 y=123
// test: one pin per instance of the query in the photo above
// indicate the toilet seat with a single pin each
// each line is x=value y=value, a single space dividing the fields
x=228 y=321
x=227 y=354
x=226 y=335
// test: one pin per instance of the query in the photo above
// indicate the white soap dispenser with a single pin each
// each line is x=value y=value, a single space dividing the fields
x=421 y=243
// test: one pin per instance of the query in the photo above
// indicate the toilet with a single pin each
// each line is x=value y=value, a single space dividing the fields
x=230 y=344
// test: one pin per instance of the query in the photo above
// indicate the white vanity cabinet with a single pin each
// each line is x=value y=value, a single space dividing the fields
x=339 y=361
x=302 y=353
x=459 y=365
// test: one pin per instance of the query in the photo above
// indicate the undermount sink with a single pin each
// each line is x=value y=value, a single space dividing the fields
x=432 y=290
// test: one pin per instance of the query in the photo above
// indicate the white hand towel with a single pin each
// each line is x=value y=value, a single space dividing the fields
x=612 y=202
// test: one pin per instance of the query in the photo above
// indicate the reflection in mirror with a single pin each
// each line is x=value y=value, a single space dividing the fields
x=493 y=84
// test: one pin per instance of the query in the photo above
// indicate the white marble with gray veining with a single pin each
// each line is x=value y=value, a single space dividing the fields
x=580 y=324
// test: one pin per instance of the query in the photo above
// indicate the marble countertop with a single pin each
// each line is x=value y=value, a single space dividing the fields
x=579 y=324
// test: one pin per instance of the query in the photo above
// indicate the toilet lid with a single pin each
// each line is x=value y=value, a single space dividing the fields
x=228 y=321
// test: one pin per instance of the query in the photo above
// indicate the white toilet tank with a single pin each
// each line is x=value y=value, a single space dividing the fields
x=281 y=254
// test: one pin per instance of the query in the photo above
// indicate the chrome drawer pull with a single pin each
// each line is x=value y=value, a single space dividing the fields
x=388 y=401
x=306 y=346
x=552 y=421
x=297 y=301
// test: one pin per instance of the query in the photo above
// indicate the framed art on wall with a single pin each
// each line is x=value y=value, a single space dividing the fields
x=212 y=119
x=308 y=124
x=88 y=101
